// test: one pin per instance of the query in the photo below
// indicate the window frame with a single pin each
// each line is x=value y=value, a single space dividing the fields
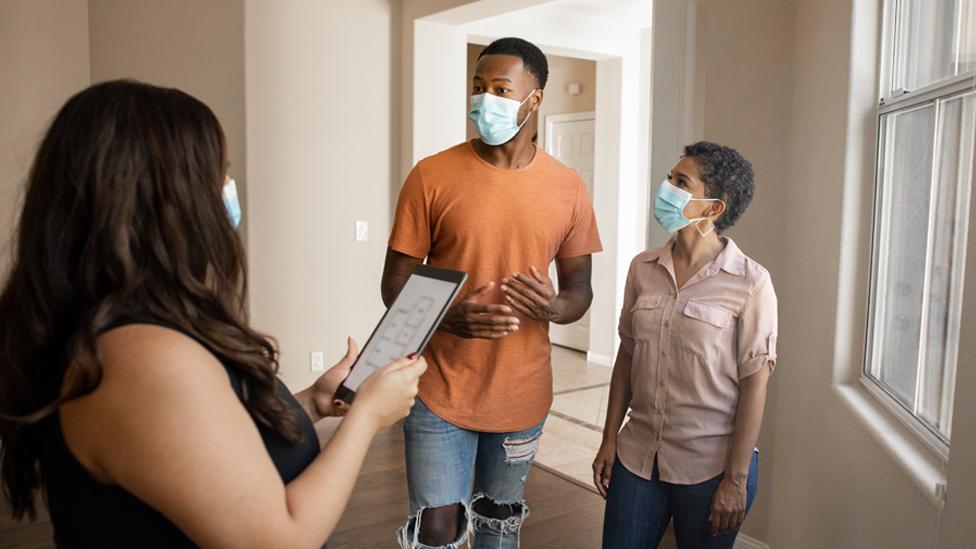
x=894 y=101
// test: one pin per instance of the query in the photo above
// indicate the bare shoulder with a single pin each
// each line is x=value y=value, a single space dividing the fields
x=151 y=352
x=152 y=378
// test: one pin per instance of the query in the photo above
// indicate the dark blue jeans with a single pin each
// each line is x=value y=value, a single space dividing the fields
x=638 y=511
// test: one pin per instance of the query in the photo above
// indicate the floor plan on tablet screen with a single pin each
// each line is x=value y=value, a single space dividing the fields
x=405 y=327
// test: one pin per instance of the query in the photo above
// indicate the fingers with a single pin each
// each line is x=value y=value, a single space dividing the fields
x=486 y=334
x=416 y=369
x=541 y=287
x=521 y=303
x=339 y=407
x=522 y=308
x=526 y=284
x=402 y=363
x=598 y=478
x=527 y=294
x=537 y=274
x=487 y=319
x=496 y=328
x=726 y=523
x=347 y=360
x=489 y=309
x=714 y=518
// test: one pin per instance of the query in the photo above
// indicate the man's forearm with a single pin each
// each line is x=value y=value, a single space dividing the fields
x=572 y=303
x=391 y=286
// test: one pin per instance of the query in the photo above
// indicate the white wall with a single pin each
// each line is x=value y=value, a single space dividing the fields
x=320 y=155
x=194 y=45
x=43 y=62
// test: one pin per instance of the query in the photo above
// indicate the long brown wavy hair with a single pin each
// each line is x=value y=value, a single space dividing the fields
x=123 y=215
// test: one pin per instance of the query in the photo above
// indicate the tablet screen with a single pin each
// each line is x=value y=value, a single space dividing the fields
x=407 y=325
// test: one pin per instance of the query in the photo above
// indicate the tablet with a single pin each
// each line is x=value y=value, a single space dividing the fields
x=407 y=325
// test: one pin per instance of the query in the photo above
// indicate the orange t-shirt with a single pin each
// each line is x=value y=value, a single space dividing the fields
x=463 y=213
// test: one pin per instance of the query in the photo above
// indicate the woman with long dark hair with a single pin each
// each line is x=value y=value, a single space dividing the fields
x=132 y=390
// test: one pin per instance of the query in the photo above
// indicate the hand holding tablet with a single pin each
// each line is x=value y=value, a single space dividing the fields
x=408 y=324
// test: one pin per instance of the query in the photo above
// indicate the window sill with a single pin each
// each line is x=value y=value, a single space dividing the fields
x=922 y=465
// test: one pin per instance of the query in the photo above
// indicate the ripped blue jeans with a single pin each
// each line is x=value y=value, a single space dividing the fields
x=447 y=465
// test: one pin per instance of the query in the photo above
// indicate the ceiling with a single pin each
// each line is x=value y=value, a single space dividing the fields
x=632 y=13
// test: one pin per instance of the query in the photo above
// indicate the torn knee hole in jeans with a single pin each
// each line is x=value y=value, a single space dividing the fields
x=521 y=450
x=518 y=512
x=408 y=536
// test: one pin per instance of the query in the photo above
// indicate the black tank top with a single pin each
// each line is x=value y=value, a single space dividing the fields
x=89 y=513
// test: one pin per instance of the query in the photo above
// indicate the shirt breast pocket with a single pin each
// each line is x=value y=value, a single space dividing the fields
x=646 y=315
x=706 y=329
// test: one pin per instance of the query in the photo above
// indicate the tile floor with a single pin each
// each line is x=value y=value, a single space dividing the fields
x=575 y=425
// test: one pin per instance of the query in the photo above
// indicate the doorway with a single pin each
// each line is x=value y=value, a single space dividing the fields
x=570 y=139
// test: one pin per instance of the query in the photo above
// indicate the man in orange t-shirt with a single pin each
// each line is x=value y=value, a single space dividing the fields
x=500 y=209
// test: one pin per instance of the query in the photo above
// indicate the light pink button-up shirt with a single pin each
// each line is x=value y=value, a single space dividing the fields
x=689 y=348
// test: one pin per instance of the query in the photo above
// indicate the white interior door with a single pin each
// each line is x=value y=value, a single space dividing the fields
x=569 y=138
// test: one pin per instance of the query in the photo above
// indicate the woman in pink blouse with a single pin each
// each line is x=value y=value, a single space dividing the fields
x=697 y=345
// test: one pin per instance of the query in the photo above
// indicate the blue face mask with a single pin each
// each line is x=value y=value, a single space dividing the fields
x=669 y=208
x=496 y=118
x=232 y=204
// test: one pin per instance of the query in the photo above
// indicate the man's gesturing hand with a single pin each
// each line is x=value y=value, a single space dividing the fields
x=473 y=318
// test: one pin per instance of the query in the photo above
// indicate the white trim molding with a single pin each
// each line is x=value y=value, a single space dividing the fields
x=743 y=541
x=600 y=359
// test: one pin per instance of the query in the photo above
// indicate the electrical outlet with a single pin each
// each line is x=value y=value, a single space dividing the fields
x=362 y=231
x=316 y=361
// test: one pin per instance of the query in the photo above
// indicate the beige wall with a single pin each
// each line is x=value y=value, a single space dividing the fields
x=557 y=100
x=194 y=45
x=43 y=61
x=320 y=155
x=744 y=80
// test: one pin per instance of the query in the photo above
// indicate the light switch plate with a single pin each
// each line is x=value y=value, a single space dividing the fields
x=316 y=361
x=362 y=231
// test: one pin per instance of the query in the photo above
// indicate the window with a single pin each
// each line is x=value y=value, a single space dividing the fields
x=926 y=138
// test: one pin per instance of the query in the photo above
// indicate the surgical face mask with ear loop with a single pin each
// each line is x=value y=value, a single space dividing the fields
x=232 y=204
x=669 y=207
x=496 y=118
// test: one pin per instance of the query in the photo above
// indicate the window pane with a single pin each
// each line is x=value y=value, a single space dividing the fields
x=966 y=57
x=933 y=40
x=906 y=175
x=958 y=126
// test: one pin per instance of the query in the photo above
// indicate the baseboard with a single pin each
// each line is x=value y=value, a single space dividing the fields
x=743 y=541
x=596 y=358
x=554 y=471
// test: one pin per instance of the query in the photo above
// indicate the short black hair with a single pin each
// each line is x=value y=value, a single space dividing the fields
x=727 y=176
x=532 y=57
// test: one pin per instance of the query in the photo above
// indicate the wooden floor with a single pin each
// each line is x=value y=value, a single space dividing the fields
x=563 y=514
